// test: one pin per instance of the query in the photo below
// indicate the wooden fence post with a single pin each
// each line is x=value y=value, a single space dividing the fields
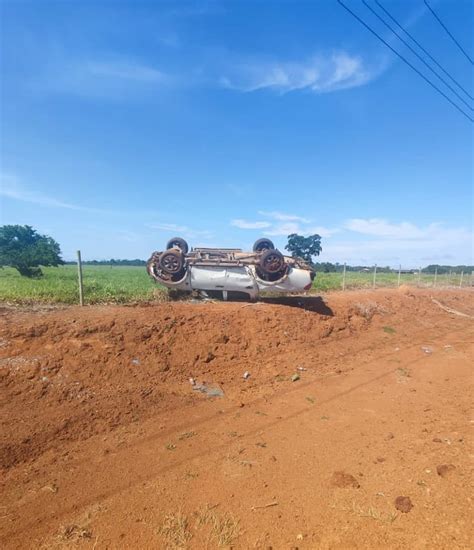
x=460 y=280
x=399 y=273
x=375 y=275
x=436 y=276
x=79 y=274
x=344 y=277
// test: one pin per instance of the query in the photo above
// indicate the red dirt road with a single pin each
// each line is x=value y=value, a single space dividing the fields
x=105 y=443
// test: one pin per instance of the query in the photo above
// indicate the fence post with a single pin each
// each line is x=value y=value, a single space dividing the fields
x=419 y=276
x=399 y=273
x=375 y=274
x=435 y=277
x=344 y=277
x=79 y=274
x=460 y=280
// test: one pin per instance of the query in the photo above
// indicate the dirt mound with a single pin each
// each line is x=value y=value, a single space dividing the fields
x=84 y=371
x=96 y=368
x=151 y=388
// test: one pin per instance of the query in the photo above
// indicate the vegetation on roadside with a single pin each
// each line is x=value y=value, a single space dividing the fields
x=304 y=247
x=124 y=284
x=24 y=249
x=102 y=284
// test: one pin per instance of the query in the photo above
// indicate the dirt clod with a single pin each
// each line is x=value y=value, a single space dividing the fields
x=444 y=470
x=403 y=504
x=343 y=481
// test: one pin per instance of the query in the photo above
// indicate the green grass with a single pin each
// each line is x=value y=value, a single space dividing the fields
x=333 y=281
x=102 y=284
x=122 y=284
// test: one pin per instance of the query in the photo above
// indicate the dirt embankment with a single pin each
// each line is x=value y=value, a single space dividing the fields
x=83 y=371
x=72 y=375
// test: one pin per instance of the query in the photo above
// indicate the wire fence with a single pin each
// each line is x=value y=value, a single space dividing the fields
x=375 y=277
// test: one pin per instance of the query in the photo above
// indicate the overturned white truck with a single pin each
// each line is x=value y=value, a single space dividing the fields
x=229 y=273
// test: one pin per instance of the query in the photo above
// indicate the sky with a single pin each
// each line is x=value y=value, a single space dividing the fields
x=126 y=123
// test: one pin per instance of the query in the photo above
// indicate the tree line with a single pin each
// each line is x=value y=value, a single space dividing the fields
x=328 y=267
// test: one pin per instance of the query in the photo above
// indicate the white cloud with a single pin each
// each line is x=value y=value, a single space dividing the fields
x=12 y=189
x=287 y=228
x=387 y=243
x=322 y=231
x=282 y=224
x=102 y=77
x=123 y=71
x=283 y=217
x=321 y=73
x=284 y=229
x=180 y=230
x=376 y=240
x=379 y=227
x=169 y=227
x=383 y=228
x=244 y=224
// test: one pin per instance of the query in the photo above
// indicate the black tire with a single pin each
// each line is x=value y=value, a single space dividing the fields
x=263 y=244
x=171 y=261
x=178 y=242
x=271 y=262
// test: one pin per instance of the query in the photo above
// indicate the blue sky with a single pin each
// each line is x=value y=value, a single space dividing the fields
x=127 y=123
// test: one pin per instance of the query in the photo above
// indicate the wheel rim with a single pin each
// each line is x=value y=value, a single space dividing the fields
x=273 y=263
x=171 y=263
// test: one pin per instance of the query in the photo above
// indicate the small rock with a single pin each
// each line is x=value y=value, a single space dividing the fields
x=343 y=480
x=246 y=375
x=302 y=369
x=389 y=436
x=135 y=361
x=444 y=470
x=192 y=381
x=295 y=377
x=299 y=536
x=437 y=440
x=403 y=504
x=427 y=349
x=210 y=356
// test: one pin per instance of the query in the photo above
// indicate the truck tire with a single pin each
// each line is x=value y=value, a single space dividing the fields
x=271 y=262
x=263 y=244
x=171 y=261
x=178 y=242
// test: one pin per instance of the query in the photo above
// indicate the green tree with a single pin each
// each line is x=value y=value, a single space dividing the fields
x=304 y=247
x=24 y=249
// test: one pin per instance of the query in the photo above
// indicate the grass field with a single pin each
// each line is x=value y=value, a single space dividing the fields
x=104 y=284
x=59 y=285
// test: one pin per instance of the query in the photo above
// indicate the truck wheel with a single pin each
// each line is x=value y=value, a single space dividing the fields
x=263 y=244
x=171 y=261
x=178 y=242
x=272 y=261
